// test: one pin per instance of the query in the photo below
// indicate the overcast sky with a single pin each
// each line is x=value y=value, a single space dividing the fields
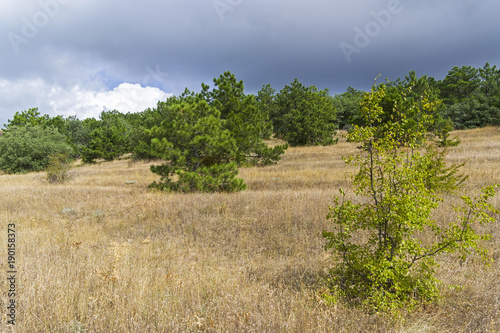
x=79 y=57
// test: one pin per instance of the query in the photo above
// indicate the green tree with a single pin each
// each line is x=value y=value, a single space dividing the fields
x=347 y=105
x=199 y=153
x=420 y=86
x=459 y=84
x=472 y=96
x=141 y=137
x=248 y=123
x=304 y=115
x=489 y=90
x=58 y=122
x=242 y=116
x=110 y=137
x=471 y=113
x=401 y=95
x=383 y=261
x=77 y=133
x=414 y=89
x=28 y=148
x=489 y=81
x=28 y=117
x=266 y=99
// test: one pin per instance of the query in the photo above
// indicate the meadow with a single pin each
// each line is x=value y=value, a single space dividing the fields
x=102 y=253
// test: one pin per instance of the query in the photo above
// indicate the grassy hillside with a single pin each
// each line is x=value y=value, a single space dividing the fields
x=99 y=255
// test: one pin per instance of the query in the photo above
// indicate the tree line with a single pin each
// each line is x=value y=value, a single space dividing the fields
x=470 y=97
x=203 y=137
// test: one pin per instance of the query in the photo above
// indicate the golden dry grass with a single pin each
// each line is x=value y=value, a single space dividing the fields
x=99 y=255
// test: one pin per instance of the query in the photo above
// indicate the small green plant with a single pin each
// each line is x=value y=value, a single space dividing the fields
x=384 y=261
x=57 y=171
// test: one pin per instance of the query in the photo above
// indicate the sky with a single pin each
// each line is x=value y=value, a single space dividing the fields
x=81 y=57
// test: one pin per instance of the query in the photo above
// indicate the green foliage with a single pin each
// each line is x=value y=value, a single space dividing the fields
x=472 y=96
x=110 y=138
x=443 y=134
x=459 y=84
x=28 y=148
x=304 y=116
x=30 y=117
x=490 y=82
x=416 y=89
x=78 y=134
x=399 y=98
x=383 y=262
x=347 y=106
x=58 y=122
x=471 y=114
x=241 y=114
x=57 y=170
x=244 y=117
x=266 y=99
x=141 y=137
x=200 y=153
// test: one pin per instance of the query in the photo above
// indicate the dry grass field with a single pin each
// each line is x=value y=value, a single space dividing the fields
x=97 y=254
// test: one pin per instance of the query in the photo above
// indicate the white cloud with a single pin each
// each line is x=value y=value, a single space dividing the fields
x=88 y=103
x=81 y=101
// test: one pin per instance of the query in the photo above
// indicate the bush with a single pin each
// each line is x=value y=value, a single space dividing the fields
x=28 y=148
x=383 y=261
x=57 y=171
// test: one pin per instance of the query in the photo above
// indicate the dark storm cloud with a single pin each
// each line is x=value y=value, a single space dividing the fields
x=180 y=43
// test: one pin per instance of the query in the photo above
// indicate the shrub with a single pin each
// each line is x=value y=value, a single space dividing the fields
x=383 y=261
x=57 y=171
x=28 y=148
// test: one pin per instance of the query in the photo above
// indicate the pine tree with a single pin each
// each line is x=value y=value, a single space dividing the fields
x=266 y=99
x=200 y=154
x=304 y=115
x=109 y=138
x=248 y=123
